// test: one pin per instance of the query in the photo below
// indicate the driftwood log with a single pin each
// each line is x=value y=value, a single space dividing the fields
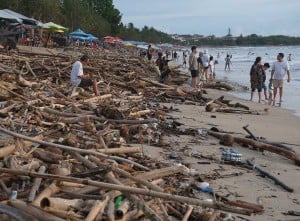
x=268 y=175
x=263 y=146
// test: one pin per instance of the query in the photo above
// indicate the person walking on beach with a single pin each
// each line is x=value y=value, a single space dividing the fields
x=211 y=63
x=205 y=62
x=149 y=52
x=280 y=69
x=227 y=62
x=256 y=78
x=193 y=66
x=78 y=79
x=184 y=59
x=200 y=64
x=264 y=86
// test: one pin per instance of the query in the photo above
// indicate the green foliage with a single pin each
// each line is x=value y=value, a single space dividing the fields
x=145 y=34
x=99 y=17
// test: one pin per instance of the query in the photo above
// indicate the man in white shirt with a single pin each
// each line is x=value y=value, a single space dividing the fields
x=280 y=69
x=81 y=80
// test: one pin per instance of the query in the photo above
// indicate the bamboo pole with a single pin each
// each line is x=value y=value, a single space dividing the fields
x=15 y=213
x=67 y=215
x=68 y=148
x=5 y=151
x=188 y=213
x=122 y=210
x=149 y=213
x=111 y=210
x=98 y=98
x=133 y=215
x=97 y=209
x=36 y=185
x=58 y=113
x=50 y=190
x=121 y=150
x=14 y=93
x=127 y=189
x=35 y=212
x=60 y=203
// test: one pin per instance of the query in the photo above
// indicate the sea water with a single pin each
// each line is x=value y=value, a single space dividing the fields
x=244 y=57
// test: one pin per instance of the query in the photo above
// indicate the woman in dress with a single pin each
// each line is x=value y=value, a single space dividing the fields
x=256 y=78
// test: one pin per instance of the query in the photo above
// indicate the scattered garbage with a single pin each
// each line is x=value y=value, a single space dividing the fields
x=231 y=155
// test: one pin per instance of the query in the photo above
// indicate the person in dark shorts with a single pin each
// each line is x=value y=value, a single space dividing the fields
x=256 y=78
x=264 y=76
x=193 y=66
x=175 y=56
x=78 y=79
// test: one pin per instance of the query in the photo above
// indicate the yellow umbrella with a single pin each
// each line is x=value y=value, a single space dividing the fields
x=54 y=27
x=129 y=45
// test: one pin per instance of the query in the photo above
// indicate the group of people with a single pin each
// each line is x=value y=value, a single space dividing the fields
x=280 y=69
x=202 y=67
x=202 y=70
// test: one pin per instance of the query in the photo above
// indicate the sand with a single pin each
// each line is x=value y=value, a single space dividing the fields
x=277 y=125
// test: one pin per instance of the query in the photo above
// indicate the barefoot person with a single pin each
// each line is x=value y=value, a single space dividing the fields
x=264 y=86
x=280 y=69
x=227 y=62
x=256 y=78
x=81 y=80
x=205 y=63
x=193 y=66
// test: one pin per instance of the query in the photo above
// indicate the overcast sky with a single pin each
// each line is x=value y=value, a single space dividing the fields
x=263 y=17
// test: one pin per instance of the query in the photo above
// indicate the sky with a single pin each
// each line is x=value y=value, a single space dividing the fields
x=214 y=17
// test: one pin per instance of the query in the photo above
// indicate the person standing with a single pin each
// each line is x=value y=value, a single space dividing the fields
x=149 y=52
x=184 y=59
x=280 y=69
x=264 y=76
x=256 y=78
x=200 y=65
x=78 y=79
x=193 y=66
x=227 y=62
x=175 y=56
x=205 y=62
x=212 y=74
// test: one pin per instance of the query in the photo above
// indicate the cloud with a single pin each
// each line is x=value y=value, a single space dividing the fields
x=214 y=16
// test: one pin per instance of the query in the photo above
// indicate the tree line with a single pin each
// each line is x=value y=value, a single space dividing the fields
x=99 y=17
x=250 y=40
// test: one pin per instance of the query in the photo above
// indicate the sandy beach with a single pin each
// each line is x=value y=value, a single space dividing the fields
x=236 y=183
x=200 y=153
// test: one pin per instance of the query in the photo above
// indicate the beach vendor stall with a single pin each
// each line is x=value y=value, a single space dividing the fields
x=54 y=34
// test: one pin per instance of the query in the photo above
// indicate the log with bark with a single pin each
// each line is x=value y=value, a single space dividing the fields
x=259 y=145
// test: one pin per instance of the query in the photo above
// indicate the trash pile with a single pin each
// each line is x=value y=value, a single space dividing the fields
x=74 y=156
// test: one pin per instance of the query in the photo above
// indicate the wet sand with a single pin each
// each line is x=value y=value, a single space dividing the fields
x=278 y=125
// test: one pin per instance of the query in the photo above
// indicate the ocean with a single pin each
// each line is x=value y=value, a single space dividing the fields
x=244 y=57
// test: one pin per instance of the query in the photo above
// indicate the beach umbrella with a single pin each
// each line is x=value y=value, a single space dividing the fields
x=142 y=46
x=9 y=17
x=92 y=37
x=25 y=20
x=129 y=44
x=78 y=32
x=54 y=27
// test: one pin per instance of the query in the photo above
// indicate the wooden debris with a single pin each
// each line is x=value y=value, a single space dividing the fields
x=72 y=152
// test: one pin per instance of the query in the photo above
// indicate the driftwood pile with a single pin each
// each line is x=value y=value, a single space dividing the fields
x=67 y=155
